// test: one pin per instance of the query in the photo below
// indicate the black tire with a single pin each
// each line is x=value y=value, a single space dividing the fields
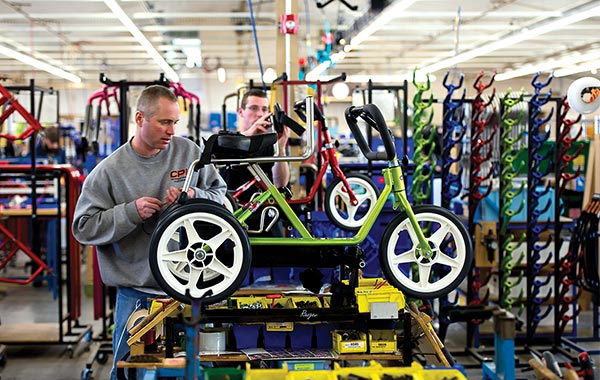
x=449 y=264
x=230 y=203
x=199 y=271
x=337 y=208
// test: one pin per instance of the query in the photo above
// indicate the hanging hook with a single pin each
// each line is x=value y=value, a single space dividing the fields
x=539 y=85
x=542 y=300
x=451 y=87
x=539 y=101
x=564 y=319
x=482 y=86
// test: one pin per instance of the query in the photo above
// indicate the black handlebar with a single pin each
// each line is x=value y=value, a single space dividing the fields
x=300 y=109
x=373 y=117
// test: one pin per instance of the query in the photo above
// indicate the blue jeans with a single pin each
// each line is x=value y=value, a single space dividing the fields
x=128 y=301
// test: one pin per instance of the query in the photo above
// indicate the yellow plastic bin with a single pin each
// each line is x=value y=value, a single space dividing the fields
x=372 y=290
x=250 y=302
x=306 y=302
x=266 y=374
x=343 y=345
x=313 y=375
x=419 y=373
x=368 y=372
x=382 y=341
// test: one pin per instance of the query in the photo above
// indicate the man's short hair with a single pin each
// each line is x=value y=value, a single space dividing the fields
x=150 y=96
x=51 y=133
x=252 y=92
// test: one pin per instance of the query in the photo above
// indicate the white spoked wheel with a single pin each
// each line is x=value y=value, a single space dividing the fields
x=341 y=211
x=199 y=251
x=582 y=95
x=426 y=276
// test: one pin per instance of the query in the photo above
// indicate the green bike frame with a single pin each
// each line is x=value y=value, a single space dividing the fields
x=393 y=183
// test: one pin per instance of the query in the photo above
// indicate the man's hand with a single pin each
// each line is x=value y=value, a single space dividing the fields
x=282 y=139
x=147 y=206
x=173 y=194
x=261 y=125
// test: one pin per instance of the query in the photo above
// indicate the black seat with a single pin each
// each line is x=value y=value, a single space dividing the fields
x=224 y=145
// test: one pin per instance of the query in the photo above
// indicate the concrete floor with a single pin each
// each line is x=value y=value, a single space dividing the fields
x=23 y=304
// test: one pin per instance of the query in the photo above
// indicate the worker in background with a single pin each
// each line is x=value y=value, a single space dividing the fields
x=255 y=119
x=123 y=195
x=49 y=148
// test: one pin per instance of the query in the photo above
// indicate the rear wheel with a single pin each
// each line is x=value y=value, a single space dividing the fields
x=341 y=211
x=199 y=251
x=405 y=265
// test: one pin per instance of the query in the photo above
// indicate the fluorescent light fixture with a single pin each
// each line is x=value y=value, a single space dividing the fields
x=383 y=18
x=381 y=78
x=549 y=65
x=589 y=66
x=191 y=49
x=375 y=24
x=515 y=38
x=314 y=74
x=139 y=36
x=28 y=60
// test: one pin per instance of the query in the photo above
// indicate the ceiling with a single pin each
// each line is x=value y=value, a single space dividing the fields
x=85 y=38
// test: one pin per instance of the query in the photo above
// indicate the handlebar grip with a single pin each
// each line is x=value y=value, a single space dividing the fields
x=300 y=109
x=373 y=117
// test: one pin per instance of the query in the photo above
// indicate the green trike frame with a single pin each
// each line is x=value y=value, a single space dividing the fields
x=201 y=251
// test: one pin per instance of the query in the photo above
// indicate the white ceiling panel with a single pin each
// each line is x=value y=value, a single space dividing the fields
x=85 y=38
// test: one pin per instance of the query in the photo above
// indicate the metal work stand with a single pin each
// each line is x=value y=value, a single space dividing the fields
x=503 y=367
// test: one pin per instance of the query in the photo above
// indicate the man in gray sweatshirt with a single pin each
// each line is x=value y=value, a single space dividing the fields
x=122 y=197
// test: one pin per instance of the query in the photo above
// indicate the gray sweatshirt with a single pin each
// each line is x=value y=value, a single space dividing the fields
x=106 y=216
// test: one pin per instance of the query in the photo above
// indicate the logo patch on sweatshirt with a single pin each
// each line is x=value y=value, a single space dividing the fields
x=177 y=174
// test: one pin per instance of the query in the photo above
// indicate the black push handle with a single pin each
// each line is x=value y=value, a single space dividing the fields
x=300 y=109
x=373 y=117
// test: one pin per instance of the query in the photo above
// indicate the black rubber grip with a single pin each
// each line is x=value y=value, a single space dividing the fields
x=373 y=117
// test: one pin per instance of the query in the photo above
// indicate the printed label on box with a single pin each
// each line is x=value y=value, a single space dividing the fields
x=351 y=345
x=280 y=326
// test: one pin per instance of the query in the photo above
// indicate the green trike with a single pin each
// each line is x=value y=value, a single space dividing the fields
x=200 y=251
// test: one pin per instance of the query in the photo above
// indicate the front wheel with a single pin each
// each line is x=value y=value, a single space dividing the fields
x=414 y=273
x=199 y=251
x=340 y=209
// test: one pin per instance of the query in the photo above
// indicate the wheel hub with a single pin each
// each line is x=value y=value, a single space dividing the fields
x=425 y=258
x=199 y=257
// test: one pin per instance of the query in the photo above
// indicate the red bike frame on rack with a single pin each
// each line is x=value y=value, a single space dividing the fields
x=328 y=158
x=327 y=154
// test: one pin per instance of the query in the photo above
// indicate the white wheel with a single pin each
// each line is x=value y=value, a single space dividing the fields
x=341 y=211
x=415 y=274
x=199 y=251
x=577 y=97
